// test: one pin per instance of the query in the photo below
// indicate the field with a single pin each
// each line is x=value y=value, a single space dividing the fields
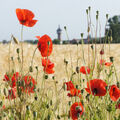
x=72 y=54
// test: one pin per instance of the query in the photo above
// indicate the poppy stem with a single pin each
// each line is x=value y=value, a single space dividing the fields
x=22 y=48
x=33 y=56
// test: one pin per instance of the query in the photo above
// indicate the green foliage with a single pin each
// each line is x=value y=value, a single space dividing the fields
x=56 y=41
x=114 y=29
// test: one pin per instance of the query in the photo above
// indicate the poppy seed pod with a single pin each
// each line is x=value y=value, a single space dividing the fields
x=69 y=103
x=81 y=35
x=28 y=107
x=36 y=68
x=30 y=69
x=50 y=102
x=18 y=50
x=77 y=69
x=46 y=76
x=65 y=27
x=89 y=8
x=92 y=47
x=107 y=16
x=112 y=59
x=87 y=11
x=58 y=117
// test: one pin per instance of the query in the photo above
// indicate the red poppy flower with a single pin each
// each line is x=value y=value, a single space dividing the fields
x=83 y=70
x=29 y=84
x=25 y=17
x=69 y=85
x=98 y=87
x=12 y=79
x=12 y=93
x=76 y=110
x=45 y=45
x=48 y=66
x=114 y=93
x=102 y=62
x=108 y=63
x=3 y=107
x=74 y=92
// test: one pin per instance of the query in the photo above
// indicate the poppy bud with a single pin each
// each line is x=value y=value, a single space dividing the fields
x=15 y=40
x=38 y=89
x=36 y=68
x=89 y=8
x=36 y=98
x=18 y=50
x=82 y=91
x=50 y=102
x=76 y=86
x=46 y=76
x=81 y=35
x=56 y=82
x=102 y=52
x=87 y=11
x=12 y=58
x=53 y=77
x=92 y=47
x=30 y=69
x=107 y=16
x=5 y=92
x=97 y=12
x=83 y=80
x=87 y=96
x=58 y=117
x=109 y=108
x=28 y=107
x=77 y=69
x=47 y=106
x=65 y=27
x=111 y=59
x=65 y=61
x=69 y=103
x=106 y=87
x=96 y=17
x=1 y=103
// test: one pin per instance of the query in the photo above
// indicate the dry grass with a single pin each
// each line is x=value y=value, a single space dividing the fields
x=60 y=52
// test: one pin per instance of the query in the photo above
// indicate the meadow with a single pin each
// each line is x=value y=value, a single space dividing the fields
x=59 y=82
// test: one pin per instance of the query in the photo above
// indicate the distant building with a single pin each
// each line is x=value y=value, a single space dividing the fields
x=59 y=31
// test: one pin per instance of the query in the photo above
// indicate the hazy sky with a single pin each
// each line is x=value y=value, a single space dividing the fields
x=51 y=13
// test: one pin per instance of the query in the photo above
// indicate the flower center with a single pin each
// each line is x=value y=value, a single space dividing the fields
x=95 y=91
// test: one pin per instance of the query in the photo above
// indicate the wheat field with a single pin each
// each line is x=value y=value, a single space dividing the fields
x=71 y=53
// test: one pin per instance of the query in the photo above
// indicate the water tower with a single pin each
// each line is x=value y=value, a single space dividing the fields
x=59 y=31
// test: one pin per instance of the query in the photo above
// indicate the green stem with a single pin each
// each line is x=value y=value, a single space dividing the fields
x=22 y=49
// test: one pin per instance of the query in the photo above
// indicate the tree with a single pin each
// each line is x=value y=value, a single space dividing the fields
x=114 y=28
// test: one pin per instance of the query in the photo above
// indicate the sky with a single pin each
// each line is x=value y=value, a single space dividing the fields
x=51 y=13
